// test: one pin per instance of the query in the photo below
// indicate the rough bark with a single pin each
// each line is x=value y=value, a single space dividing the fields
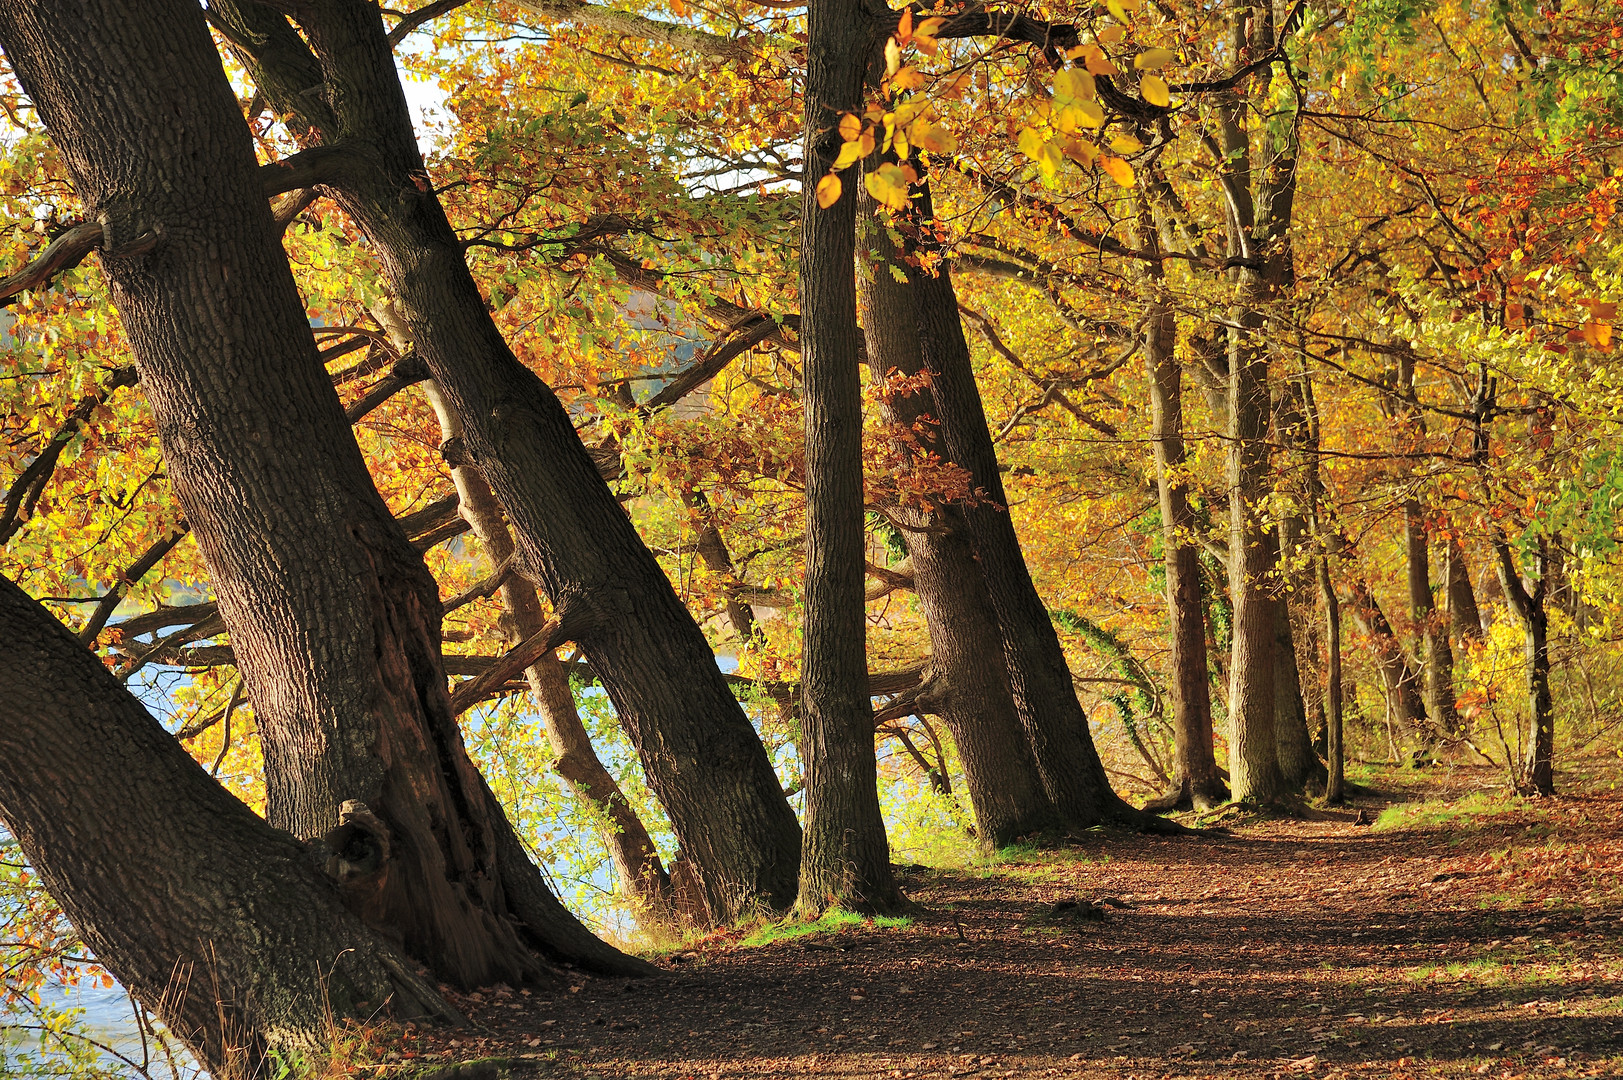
x=221 y=925
x=333 y=617
x=975 y=702
x=1195 y=782
x=701 y=754
x=1055 y=724
x=1298 y=762
x=845 y=860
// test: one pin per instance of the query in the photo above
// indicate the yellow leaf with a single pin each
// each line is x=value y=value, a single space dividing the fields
x=893 y=57
x=1153 y=59
x=908 y=111
x=930 y=27
x=865 y=141
x=1049 y=159
x=1030 y=143
x=1083 y=153
x=1080 y=114
x=909 y=78
x=850 y=126
x=1126 y=144
x=1155 y=91
x=904 y=29
x=828 y=191
x=1074 y=84
x=849 y=152
x=1598 y=334
x=932 y=137
x=1111 y=34
x=1097 y=62
x=1119 y=170
x=888 y=185
x=1117 y=10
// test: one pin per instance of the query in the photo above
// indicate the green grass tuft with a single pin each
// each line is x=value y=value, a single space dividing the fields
x=1419 y=815
x=834 y=921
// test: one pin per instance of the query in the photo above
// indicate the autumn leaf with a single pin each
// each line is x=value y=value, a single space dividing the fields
x=1126 y=144
x=1153 y=59
x=850 y=126
x=1074 y=84
x=1118 y=170
x=888 y=185
x=1097 y=63
x=849 y=152
x=1080 y=114
x=1155 y=90
x=1598 y=334
x=828 y=191
x=893 y=57
x=932 y=137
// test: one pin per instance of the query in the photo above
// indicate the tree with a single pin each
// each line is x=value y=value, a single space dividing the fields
x=703 y=758
x=845 y=860
x=307 y=563
x=225 y=927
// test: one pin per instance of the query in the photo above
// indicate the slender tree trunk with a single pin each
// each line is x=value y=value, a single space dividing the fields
x=1437 y=657
x=1528 y=601
x=1195 y=782
x=334 y=619
x=701 y=754
x=1298 y=762
x=973 y=698
x=1400 y=681
x=637 y=864
x=1335 y=789
x=1464 y=617
x=845 y=860
x=220 y=924
x=1054 y=721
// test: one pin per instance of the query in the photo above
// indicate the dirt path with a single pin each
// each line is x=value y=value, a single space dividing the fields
x=1485 y=946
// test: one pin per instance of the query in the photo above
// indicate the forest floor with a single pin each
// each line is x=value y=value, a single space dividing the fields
x=1461 y=935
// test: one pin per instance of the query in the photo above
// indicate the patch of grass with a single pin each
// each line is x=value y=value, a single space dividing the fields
x=833 y=921
x=1420 y=815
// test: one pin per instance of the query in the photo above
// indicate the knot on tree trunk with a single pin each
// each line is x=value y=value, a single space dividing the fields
x=356 y=856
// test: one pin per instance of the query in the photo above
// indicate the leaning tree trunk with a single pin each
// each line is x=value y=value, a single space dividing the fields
x=1195 y=782
x=1399 y=680
x=221 y=925
x=1054 y=721
x=845 y=860
x=973 y=699
x=333 y=617
x=702 y=756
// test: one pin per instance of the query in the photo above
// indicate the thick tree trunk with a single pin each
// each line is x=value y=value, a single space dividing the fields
x=1054 y=721
x=701 y=754
x=845 y=860
x=1254 y=772
x=334 y=620
x=1195 y=783
x=1437 y=657
x=975 y=702
x=222 y=925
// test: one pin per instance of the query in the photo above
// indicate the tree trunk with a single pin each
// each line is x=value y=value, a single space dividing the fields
x=221 y=925
x=1055 y=723
x=845 y=860
x=702 y=756
x=1005 y=788
x=1335 y=789
x=1464 y=617
x=1437 y=658
x=1298 y=762
x=637 y=864
x=1401 y=683
x=1195 y=783
x=1529 y=604
x=1254 y=772
x=334 y=619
